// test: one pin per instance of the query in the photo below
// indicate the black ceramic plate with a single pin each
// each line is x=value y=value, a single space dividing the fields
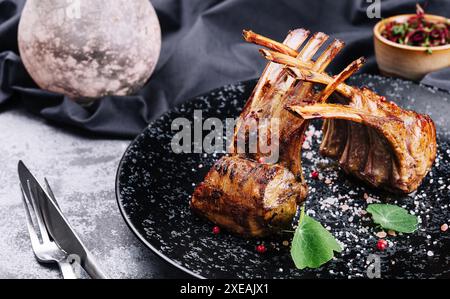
x=154 y=186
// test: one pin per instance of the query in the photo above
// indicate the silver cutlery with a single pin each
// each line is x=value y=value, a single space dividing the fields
x=45 y=250
x=51 y=220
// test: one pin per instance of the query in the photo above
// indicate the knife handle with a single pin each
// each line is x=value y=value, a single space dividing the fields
x=67 y=270
x=91 y=267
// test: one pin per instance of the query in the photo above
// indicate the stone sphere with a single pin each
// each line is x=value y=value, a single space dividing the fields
x=89 y=48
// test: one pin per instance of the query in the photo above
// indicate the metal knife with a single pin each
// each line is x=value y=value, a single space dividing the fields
x=58 y=226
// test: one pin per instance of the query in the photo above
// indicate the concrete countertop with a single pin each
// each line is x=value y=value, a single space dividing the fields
x=81 y=171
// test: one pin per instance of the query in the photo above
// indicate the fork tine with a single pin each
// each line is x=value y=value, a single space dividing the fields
x=37 y=211
x=31 y=230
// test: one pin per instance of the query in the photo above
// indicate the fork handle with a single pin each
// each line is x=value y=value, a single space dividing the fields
x=67 y=270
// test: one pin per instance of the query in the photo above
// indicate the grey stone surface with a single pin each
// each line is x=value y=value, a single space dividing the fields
x=89 y=48
x=81 y=171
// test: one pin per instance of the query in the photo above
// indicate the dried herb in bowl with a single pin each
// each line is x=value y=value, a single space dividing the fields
x=418 y=31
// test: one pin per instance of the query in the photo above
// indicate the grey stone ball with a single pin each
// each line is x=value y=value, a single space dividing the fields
x=89 y=48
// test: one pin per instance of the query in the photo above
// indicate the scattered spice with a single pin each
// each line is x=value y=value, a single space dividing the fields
x=261 y=248
x=382 y=244
x=315 y=175
x=381 y=235
x=286 y=243
x=392 y=233
x=216 y=230
x=359 y=234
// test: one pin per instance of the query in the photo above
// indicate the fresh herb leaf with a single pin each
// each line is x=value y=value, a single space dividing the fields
x=312 y=245
x=398 y=30
x=429 y=51
x=392 y=217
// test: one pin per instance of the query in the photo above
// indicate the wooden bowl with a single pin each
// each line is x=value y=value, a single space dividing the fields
x=405 y=61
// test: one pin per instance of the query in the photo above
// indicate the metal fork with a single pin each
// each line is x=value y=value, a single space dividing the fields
x=45 y=250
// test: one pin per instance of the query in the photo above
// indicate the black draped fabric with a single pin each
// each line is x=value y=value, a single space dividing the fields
x=202 y=49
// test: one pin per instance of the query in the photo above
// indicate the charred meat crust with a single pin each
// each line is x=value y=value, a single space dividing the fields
x=372 y=138
x=235 y=195
x=249 y=197
x=377 y=141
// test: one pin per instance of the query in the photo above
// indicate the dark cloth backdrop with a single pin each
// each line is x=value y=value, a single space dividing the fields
x=202 y=49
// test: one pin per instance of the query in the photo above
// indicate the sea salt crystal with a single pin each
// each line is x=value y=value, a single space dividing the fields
x=345 y=207
x=430 y=253
x=369 y=200
x=311 y=213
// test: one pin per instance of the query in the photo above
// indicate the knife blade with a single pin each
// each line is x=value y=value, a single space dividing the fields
x=58 y=226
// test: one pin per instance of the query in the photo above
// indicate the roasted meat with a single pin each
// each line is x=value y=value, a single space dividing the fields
x=244 y=193
x=376 y=141
x=248 y=197
x=373 y=139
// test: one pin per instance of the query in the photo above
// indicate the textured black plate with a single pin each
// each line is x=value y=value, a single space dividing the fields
x=154 y=187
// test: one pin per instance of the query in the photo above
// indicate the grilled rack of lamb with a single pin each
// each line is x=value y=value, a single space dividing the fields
x=243 y=194
x=374 y=139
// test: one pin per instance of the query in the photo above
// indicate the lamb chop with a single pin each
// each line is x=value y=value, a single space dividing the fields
x=243 y=192
x=373 y=139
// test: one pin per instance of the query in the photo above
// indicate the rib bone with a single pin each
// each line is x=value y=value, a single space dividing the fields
x=373 y=139
x=339 y=79
x=260 y=40
x=378 y=142
x=242 y=193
